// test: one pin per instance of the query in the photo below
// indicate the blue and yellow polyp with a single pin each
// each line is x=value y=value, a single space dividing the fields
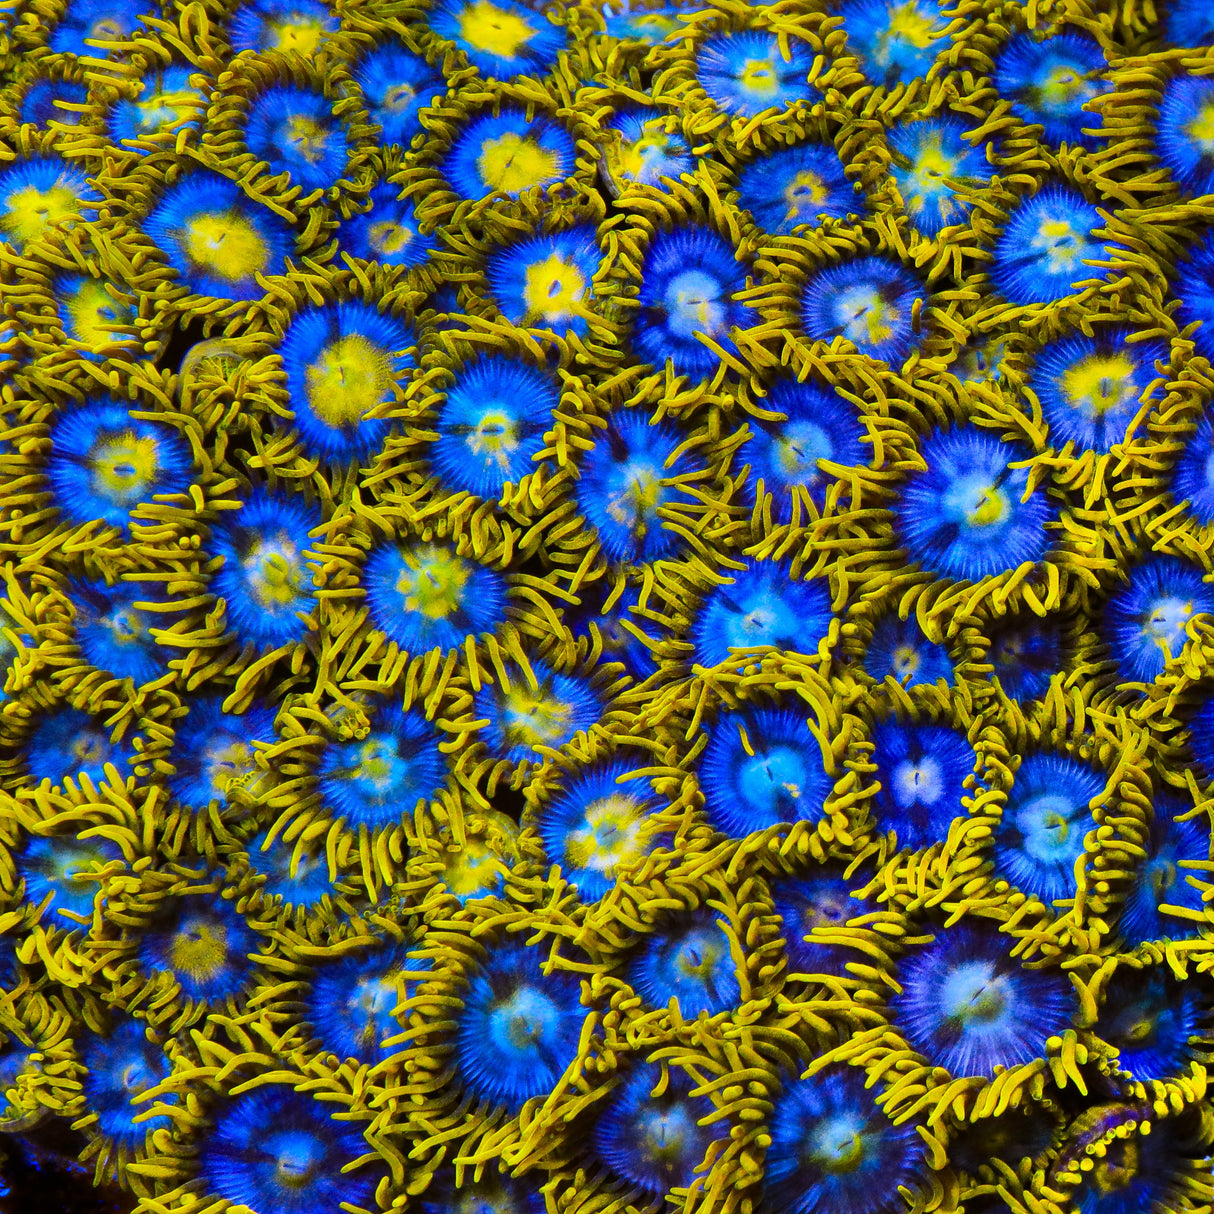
x=607 y=604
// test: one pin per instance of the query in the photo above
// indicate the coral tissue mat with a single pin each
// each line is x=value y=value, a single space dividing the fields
x=606 y=608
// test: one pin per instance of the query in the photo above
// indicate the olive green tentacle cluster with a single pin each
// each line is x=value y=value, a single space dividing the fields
x=608 y=606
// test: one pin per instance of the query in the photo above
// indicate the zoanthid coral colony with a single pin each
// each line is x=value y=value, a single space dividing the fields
x=606 y=606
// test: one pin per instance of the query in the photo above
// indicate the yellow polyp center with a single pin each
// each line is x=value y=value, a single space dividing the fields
x=990 y=508
x=850 y=1155
x=273 y=571
x=760 y=76
x=972 y=995
x=226 y=245
x=1061 y=86
x=911 y=25
x=475 y=869
x=166 y=110
x=906 y=661
x=800 y=448
x=804 y=193
x=868 y=319
x=1059 y=241
x=554 y=289
x=433 y=584
x=374 y=997
x=700 y=313
x=389 y=237
x=306 y=136
x=199 y=948
x=105 y=30
x=635 y=156
x=529 y=718
x=233 y=759
x=122 y=466
x=986 y=1006
x=485 y=27
x=980 y=363
x=836 y=1145
x=664 y=1134
x=831 y=909
x=32 y=212
x=126 y=627
x=297 y=1163
x=1099 y=383
x=1058 y=826
x=496 y=437
x=348 y=378
x=90 y=748
x=1162 y=876
x=698 y=959
x=933 y=164
x=398 y=97
x=612 y=835
x=1142 y=1029
x=1117 y=1169
x=135 y=1079
x=1200 y=129
x=650 y=145
x=512 y=162
x=929 y=180
x=93 y=315
x=1165 y=625
x=81 y=865
x=1009 y=650
x=376 y=763
x=636 y=503
x=302 y=37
